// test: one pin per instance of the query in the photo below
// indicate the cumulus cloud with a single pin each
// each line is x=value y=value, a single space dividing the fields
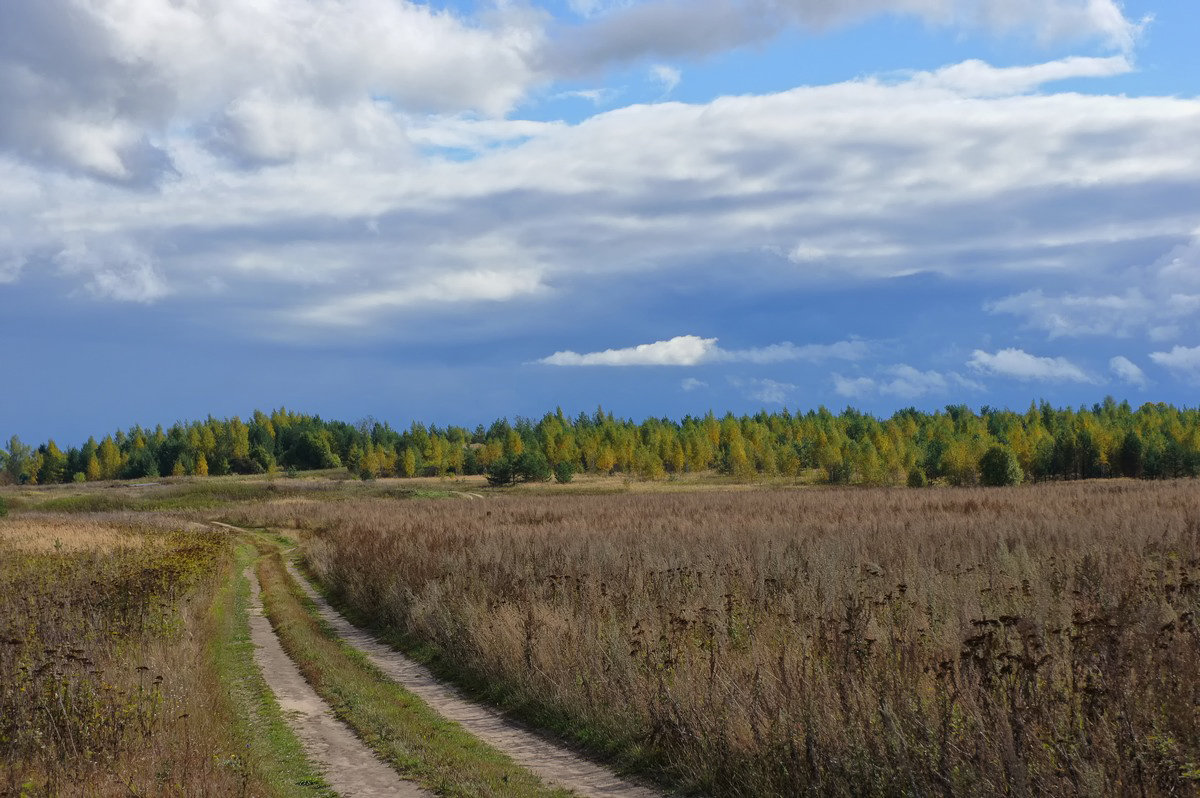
x=1127 y=371
x=1019 y=364
x=692 y=350
x=101 y=84
x=1183 y=360
x=861 y=179
x=680 y=28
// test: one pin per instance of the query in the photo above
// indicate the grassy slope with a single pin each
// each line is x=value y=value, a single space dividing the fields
x=417 y=741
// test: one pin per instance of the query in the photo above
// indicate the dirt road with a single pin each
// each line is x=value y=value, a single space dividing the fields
x=552 y=762
x=349 y=766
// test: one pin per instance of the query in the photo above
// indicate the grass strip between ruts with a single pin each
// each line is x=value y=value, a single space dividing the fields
x=273 y=758
x=417 y=741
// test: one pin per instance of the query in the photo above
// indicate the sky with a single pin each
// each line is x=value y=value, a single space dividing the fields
x=459 y=210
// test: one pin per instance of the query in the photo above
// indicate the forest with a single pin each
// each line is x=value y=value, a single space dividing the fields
x=956 y=446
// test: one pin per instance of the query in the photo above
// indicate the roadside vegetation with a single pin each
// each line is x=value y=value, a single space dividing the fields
x=956 y=446
x=104 y=634
x=1033 y=641
x=126 y=666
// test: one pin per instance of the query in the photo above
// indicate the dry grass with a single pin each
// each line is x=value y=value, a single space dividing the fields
x=69 y=535
x=105 y=688
x=1032 y=641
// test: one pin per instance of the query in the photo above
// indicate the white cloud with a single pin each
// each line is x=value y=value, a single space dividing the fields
x=853 y=386
x=683 y=350
x=692 y=384
x=905 y=382
x=680 y=28
x=136 y=282
x=120 y=271
x=1021 y=365
x=692 y=350
x=1076 y=315
x=1182 y=360
x=980 y=79
x=767 y=391
x=1127 y=371
x=1159 y=299
x=477 y=285
x=668 y=77
x=909 y=383
x=10 y=269
x=100 y=84
x=596 y=97
x=853 y=349
x=862 y=179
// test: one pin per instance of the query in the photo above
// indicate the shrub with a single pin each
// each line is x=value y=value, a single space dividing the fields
x=564 y=472
x=999 y=466
x=917 y=478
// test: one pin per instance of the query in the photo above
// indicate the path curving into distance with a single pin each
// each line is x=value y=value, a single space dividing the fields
x=350 y=767
x=552 y=762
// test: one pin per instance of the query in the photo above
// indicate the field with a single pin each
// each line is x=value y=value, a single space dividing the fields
x=726 y=641
x=1041 y=640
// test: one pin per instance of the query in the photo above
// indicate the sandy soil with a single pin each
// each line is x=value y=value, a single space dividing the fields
x=349 y=766
x=552 y=762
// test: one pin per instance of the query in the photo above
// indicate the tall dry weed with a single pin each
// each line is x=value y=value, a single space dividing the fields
x=1033 y=641
x=106 y=687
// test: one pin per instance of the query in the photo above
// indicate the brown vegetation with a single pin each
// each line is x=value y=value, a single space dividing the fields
x=107 y=688
x=1031 y=641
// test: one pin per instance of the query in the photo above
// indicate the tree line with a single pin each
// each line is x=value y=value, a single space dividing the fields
x=956 y=445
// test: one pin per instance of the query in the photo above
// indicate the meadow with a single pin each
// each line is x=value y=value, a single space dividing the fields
x=1041 y=640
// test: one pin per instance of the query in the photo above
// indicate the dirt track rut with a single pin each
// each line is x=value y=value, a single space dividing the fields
x=349 y=766
x=552 y=762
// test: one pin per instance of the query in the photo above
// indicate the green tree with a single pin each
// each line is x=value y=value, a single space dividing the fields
x=502 y=471
x=532 y=466
x=999 y=466
x=17 y=459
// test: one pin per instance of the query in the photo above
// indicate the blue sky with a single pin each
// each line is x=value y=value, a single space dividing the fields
x=462 y=210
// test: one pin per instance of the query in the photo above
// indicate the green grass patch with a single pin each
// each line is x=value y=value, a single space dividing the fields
x=417 y=741
x=273 y=756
